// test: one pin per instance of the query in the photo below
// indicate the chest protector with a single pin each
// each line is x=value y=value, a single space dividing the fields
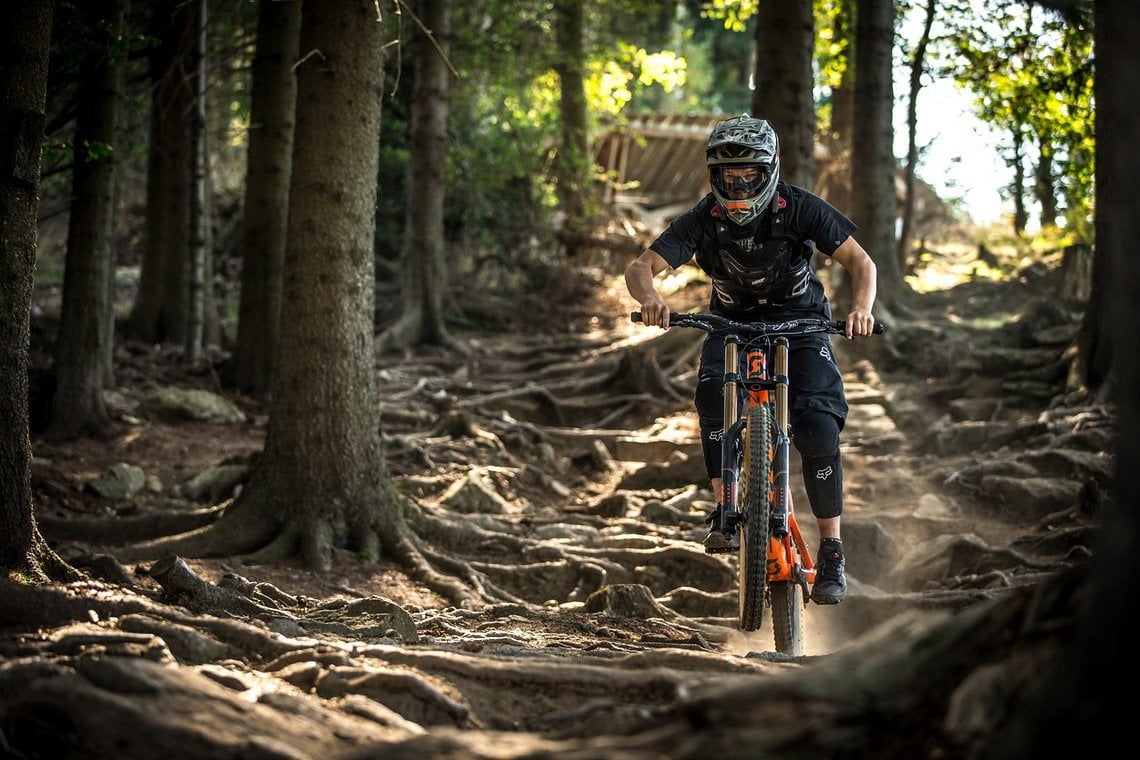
x=767 y=269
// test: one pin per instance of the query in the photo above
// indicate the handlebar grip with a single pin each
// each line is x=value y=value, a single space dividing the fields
x=635 y=316
x=841 y=325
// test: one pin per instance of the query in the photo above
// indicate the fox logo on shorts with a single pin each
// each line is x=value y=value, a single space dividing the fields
x=823 y=474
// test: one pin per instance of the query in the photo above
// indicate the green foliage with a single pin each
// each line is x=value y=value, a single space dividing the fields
x=1032 y=76
x=610 y=82
x=833 y=39
x=96 y=150
x=505 y=120
x=734 y=14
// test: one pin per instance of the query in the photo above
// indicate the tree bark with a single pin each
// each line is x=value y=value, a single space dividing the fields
x=1044 y=185
x=424 y=254
x=83 y=349
x=323 y=478
x=575 y=149
x=785 y=42
x=875 y=206
x=842 y=109
x=269 y=165
x=1017 y=188
x=160 y=310
x=1072 y=703
x=199 y=249
x=25 y=37
x=917 y=66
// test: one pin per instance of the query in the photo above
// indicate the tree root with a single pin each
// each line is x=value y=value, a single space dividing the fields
x=237 y=532
x=181 y=585
x=41 y=564
x=121 y=529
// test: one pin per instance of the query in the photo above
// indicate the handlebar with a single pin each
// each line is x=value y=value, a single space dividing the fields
x=716 y=323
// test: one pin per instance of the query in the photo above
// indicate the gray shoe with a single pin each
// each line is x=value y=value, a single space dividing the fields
x=830 y=583
x=716 y=542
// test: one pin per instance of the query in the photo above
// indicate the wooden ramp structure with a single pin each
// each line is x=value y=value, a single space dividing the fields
x=655 y=161
x=655 y=168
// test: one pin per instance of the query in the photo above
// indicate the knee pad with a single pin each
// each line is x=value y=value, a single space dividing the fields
x=816 y=437
x=710 y=413
x=816 y=434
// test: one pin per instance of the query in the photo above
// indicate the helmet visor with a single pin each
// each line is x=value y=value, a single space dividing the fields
x=739 y=182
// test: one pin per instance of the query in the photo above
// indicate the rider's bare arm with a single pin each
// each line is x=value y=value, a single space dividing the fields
x=639 y=282
x=859 y=265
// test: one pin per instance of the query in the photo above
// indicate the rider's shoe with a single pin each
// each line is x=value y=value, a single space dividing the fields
x=716 y=541
x=830 y=583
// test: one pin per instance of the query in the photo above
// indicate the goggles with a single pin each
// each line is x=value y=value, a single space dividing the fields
x=739 y=181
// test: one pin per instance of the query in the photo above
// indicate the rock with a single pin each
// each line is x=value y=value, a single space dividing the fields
x=123 y=481
x=625 y=600
x=372 y=617
x=192 y=404
x=214 y=484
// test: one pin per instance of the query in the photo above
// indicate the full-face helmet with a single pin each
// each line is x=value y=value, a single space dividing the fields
x=743 y=156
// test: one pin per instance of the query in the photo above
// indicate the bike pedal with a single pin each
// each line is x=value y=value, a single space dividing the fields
x=722 y=550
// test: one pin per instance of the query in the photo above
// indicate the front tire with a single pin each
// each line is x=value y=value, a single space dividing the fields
x=755 y=482
x=787 y=607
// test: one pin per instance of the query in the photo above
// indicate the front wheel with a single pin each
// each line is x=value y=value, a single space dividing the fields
x=755 y=480
x=786 y=609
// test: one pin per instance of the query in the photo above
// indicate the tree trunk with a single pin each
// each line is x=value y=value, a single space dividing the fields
x=843 y=108
x=1044 y=185
x=269 y=165
x=424 y=254
x=575 y=149
x=917 y=65
x=875 y=205
x=323 y=479
x=83 y=348
x=25 y=37
x=1072 y=703
x=199 y=199
x=785 y=41
x=1017 y=189
x=160 y=309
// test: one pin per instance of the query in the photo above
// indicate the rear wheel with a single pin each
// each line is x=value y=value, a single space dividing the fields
x=786 y=610
x=754 y=478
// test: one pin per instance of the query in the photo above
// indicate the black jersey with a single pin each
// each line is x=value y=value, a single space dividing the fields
x=761 y=270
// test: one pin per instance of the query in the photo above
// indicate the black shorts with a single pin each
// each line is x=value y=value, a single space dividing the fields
x=813 y=377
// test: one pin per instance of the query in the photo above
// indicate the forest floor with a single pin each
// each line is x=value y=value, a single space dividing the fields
x=572 y=496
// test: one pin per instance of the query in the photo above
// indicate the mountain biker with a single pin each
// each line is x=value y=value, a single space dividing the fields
x=753 y=236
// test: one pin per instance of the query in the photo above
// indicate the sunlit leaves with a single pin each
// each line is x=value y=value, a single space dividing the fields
x=734 y=13
x=1032 y=76
x=610 y=81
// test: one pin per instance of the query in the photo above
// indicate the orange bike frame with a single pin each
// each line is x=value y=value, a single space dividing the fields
x=782 y=544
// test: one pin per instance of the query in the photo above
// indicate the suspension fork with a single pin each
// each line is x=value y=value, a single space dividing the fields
x=781 y=499
x=730 y=415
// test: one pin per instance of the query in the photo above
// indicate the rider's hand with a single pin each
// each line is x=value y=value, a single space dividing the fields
x=655 y=311
x=860 y=322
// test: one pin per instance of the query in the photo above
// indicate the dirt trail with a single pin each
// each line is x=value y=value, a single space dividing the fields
x=563 y=485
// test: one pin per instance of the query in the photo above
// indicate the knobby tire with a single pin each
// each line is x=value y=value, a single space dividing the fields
x=755 y=479
x=786 y=623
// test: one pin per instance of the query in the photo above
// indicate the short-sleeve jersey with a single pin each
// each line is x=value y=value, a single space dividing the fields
x=761 y=270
